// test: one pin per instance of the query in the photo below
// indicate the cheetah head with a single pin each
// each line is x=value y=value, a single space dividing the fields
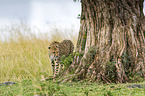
x=53 y=51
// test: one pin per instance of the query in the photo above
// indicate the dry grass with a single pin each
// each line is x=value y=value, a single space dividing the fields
x=24 y=55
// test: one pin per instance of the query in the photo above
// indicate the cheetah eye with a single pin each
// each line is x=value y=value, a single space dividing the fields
x=49 y=47
x=56 y=46
x=53 y=52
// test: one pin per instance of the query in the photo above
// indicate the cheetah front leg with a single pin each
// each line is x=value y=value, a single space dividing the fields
x=61 y=67
x=53 y=66
x=56 y=69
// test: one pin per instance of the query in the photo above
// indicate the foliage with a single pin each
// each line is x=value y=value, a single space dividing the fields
x=110 y=70
x=78 y=53
x=67 y=60
x=76 y=0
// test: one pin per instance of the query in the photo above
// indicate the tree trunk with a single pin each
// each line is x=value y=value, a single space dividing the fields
x=111 y=43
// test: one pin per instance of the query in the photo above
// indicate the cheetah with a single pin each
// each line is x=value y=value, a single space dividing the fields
x=56 y=51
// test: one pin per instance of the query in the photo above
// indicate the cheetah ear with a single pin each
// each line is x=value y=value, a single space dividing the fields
x=49 y=47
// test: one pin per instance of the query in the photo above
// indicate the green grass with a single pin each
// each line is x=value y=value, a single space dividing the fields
x=24 y=60
x=30 y=87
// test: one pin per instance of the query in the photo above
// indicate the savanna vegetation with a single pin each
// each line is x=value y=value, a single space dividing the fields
x=109 y=49
x=25 y=55
x=24 y=60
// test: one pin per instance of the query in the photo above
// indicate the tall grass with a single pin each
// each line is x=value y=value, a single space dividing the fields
x=24 y=54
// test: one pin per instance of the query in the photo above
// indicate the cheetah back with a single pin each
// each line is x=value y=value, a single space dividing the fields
x=66 y=48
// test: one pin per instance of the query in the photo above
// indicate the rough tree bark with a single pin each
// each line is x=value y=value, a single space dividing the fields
x=111 y=41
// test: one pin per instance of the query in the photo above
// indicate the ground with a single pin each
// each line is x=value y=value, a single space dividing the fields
x=47 y=88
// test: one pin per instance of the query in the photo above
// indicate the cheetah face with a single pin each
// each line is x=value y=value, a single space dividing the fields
x=53 y=52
